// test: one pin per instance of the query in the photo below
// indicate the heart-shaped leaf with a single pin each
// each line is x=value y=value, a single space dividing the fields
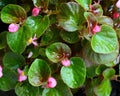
x=99 y=58
x=58 y=51
x=84 y=3
x=25 y=89
x=71 y=16
x=75 y=74
x=9 y=79
x=12 y=13
x=60 y=90
x=105 y=41
x=104 y=89
x=38 y=24
x=17 y=41
x=13 y=61
x=39 y=72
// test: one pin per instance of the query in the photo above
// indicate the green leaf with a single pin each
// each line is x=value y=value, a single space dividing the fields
x=70 y=37
x=84 y=3
x=26 y=7
x=42 y=52
x=3 y=40
x=40 y=3
x=104 y=89
x=13 y=61
x=12 y=13
x=108 y=73
x=99 y=58
x=75 y=74
x=39 y=72
x=91 y=71
x=111 y=64
x=35 y=51
x=100 y=69
x=58 y=51
x=105 y=41
x=38 y=25
x=6 y=2
x=37 y=2
x=118 y=32
x=17 y=41
x=71 y=16
x=25 y=89
x=50 y=36
x=9 y=79
x=60 y=90
x=105 y=20
x=90 y=84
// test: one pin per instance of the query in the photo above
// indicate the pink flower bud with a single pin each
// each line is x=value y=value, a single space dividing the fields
x=66 y=62
x=118 y=4
x=116 y=15
x=13 y=27
x=22 y=76
x=1 y=74
x=51 y=82
x=36 y=11
x=96 y=29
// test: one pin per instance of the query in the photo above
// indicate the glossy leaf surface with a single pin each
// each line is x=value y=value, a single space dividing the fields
x=39 y=72
x=71 y=16
x=12 y=13
x=58 y=51
x=101 y=42
x=75 y=74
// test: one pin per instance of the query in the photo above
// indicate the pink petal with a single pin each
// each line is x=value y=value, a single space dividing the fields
x=13 y=27
x=118 y=4
x=66 y=62
x=19 y=71
x=34 y=38
x=36 y=11
x=0 y=68
x=51 y=82
x=96 y=29
x=22 y=78
x=35 y=43
x=1 y=74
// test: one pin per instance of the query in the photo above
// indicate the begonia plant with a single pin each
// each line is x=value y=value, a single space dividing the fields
x=58 y=47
